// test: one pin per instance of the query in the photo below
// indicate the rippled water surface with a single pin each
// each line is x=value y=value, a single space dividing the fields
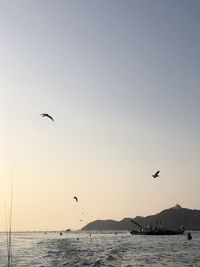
x=100 y=249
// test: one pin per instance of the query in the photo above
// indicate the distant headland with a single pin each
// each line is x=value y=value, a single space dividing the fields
x=171 y=218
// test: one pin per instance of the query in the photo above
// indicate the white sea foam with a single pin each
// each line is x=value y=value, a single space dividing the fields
x=78 y=249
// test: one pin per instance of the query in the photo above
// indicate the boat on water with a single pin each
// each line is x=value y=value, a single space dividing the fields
x=149 y=230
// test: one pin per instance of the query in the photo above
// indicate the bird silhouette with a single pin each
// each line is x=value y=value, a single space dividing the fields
x=76 y=199
x=155 y=175
x=46 y=115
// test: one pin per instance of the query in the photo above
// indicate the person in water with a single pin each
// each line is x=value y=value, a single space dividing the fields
x=189 y=236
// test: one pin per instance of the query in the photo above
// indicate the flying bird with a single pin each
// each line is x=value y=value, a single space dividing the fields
x=76 y=199
x=155 y=175
x=46 y=115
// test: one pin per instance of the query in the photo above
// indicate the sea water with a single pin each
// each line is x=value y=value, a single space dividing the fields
x=97 y=249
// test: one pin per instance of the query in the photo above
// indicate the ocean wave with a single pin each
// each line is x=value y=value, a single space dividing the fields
x=79 y=249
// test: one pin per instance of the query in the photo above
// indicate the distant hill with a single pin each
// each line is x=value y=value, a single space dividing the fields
x=171 y=218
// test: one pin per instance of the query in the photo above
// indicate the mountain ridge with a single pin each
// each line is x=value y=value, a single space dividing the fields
x=172 y=218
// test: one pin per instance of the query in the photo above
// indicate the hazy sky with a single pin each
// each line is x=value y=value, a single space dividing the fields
x=121 y=79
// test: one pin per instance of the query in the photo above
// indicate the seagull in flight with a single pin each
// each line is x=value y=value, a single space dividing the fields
x=155 y=175
x=46 y=115
x=76 y=199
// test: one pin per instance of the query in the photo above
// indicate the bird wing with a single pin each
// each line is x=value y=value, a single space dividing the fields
x=157 y=173
x=46 y=115
x=50 y=117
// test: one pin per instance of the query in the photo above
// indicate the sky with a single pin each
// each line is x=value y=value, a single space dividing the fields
x=121 y=79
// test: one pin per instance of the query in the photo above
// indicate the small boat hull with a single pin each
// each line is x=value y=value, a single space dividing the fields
x=157 y=232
